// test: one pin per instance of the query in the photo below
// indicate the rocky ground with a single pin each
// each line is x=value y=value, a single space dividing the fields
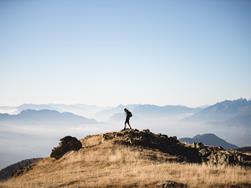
x=195 y=153
x=131 y=158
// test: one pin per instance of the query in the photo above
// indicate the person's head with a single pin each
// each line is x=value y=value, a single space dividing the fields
x=125 y=110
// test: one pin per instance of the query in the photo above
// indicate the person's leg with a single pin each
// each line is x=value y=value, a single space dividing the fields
x=126 y=122
x=129 y=123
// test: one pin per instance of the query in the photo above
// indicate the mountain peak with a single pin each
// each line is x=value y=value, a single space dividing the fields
x=223 y=111
x=209 y=139
x=47 y=115
x=205 y=135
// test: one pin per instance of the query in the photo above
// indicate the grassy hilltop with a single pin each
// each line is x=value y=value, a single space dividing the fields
x=133 y=158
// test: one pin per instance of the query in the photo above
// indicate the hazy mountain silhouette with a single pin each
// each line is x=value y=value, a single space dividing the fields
x=107 y=113
x=79 y=109
x=24 y=107
x=45 y=116
x=232 y=113
x=236 y=112
x=210 y=140
x=147 y=110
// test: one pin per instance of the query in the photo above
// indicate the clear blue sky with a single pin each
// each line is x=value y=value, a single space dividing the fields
x=131 y=51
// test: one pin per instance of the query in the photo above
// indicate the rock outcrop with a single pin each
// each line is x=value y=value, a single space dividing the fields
x=220 y=156
x=196 y=153
x=170 y=184
x=132 y=158
x=193 y=153
x=66 y=144
x=148 y=139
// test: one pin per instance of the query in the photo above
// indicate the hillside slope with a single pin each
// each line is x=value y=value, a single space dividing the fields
x=133 y=158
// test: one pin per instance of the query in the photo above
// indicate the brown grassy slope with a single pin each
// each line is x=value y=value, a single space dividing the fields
x=104 y=164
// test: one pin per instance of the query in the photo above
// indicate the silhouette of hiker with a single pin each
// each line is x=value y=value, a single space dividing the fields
x=128 y=116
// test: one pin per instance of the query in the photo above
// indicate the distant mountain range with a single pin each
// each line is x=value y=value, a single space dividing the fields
x=210 y=140
x=233 y=113
x=154 y=110
x=147 y=110
x=20 y=124
x=79 y=109
x=45 y=116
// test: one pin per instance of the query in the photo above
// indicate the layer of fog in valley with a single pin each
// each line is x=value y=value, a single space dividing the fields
x=33 y=131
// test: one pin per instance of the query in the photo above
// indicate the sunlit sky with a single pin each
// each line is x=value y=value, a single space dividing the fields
x=111 y=52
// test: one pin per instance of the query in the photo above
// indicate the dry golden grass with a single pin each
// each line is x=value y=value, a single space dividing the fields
x=109 y=165
x=92 y=140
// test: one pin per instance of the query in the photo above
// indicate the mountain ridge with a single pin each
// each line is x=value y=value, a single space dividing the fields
x=45 y=115
x=229 y=112
x=229 y=107
x=209 y=139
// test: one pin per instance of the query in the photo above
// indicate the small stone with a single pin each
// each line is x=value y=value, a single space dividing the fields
x=171 y=184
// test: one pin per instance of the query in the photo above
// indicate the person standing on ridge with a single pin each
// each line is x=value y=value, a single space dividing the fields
x=128 y=116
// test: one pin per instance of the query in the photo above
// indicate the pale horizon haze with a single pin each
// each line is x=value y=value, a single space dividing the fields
x=123 y=52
